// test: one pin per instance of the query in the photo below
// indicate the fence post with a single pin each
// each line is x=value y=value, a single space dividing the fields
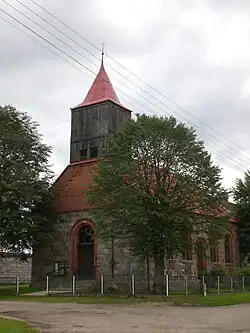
x=231 y=284
x=102 y=284
x=47 y=285
x=186 y=285
x=133 y=284
x=73 y=284
x=218 y=284
x=167 y=284
x=17 y=285
x=243 y=283
x=203 y=281
x=204 y=286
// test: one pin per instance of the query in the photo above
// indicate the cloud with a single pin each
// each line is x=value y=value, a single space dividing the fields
x=196 y=53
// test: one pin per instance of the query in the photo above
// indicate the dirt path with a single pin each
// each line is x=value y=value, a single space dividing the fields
x=146 y=318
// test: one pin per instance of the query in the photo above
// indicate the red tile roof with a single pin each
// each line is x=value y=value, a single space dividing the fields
x=101 y=90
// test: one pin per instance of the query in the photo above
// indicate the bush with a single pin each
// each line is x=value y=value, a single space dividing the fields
x=245 y=270
x=219 y=271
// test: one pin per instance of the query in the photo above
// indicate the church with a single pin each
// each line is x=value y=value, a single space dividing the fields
x=74 y=249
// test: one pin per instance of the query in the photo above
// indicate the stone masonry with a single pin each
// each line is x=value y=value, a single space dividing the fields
x=11 y=268
x=125 y=263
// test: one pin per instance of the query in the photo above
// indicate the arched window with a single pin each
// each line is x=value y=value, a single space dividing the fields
x=214 y=252
x=187 y=253
x=201 y=255
x=228 y=249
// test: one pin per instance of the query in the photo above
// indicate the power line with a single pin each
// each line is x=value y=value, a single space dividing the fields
x=174 y=111
x=58 y=49
x=60 y=40
x=72 y=58
x=58 y=55
x=37 y=41
x=148 y=101
x=60 y=31
x=46 y=40
x=41 y=27
x=229 y=152
x=137 y=77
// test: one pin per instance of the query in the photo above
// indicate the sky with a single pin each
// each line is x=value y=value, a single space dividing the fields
x=189 y=59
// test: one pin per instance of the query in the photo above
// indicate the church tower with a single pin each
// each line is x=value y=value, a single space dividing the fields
x=95 y=119
x=77 y=249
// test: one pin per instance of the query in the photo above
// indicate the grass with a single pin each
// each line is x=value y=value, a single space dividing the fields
x=87 y=299
x=211 y=299
x=10 y=289
x=8 y=293
x=14 y=326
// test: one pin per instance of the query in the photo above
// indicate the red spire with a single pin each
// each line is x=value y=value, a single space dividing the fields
x=101 y=90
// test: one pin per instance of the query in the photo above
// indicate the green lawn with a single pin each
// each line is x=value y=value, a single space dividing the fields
x=86 y=299
x=14 y=326
x=212 y=299
x=10 y=289
x=8 y=293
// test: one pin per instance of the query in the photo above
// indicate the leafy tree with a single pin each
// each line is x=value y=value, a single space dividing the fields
x=156 y=186
x=26 y=204
x=241 y=193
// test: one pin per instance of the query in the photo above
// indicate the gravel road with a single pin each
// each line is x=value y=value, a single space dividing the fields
x=146 y=318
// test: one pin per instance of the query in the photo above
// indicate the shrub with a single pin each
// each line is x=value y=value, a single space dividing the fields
x=245 y=270
x=218 y=271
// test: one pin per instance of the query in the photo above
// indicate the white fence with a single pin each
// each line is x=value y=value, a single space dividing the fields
x=136 y=285
x=133 y=285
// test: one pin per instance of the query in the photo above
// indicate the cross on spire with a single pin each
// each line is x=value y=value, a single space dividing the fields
x=103 y=47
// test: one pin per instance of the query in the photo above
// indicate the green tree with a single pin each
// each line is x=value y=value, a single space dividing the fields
x=26 y=204
x=153 y=187
x=241 y=193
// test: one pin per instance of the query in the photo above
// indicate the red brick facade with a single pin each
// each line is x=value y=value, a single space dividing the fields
x=71 y=184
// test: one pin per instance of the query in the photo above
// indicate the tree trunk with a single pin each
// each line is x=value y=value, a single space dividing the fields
x=113 y=287
x=148 y=274
x=159 y=281
x=112 y=257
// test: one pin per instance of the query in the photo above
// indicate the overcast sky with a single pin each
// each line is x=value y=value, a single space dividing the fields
x=195 y=53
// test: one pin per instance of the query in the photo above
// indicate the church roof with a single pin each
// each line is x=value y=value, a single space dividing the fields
x=101 y=90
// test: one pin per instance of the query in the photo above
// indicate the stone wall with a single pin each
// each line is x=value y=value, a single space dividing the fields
x=11 y=267
x=58 y=248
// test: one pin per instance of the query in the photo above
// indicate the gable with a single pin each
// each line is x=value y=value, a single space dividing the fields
x=70 y=185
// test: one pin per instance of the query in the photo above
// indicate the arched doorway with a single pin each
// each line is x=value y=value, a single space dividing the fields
x=86 y=253
x=201 y=255
x=83 y=250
